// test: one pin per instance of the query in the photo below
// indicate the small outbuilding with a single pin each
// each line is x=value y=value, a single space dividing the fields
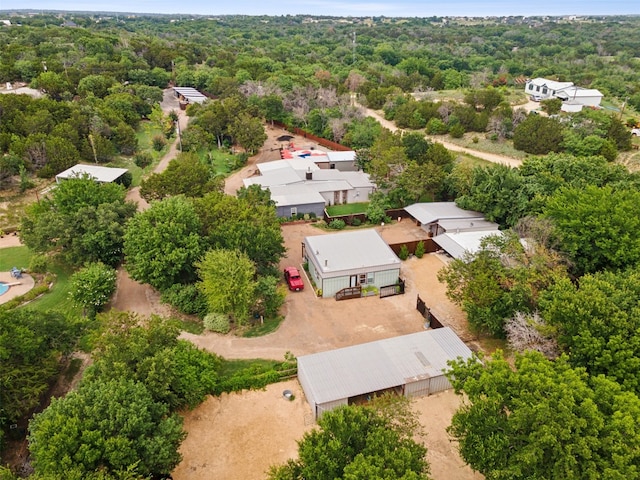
x=409 y=365
x=350 y=259
x=96 y=172
x=458 y=244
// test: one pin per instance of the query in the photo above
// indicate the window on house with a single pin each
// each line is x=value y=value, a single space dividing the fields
x=294 y=211
x=370 y=279
x=531 y=86
x=544 y=90
x=537 y=89
x=363 y=279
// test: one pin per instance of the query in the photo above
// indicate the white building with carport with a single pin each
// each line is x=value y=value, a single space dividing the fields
x=409 y=365
x=459 y=244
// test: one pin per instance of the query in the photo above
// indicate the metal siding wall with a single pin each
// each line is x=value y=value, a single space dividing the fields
x=327 y=406
x=439 y=384
x=386 y=277
x=304 y=383
x=417 y=389
x=331 y=285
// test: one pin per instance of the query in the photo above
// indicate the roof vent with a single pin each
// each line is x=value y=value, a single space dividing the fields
x=326 y=263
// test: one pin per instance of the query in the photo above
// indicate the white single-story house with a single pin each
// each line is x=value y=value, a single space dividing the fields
x=189 y=95
x=96 y=172
x=334 y=186
x=350 y=259
x=573 y=97
x=409 y=365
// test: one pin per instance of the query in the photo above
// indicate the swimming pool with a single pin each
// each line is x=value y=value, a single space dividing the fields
x=3 y=288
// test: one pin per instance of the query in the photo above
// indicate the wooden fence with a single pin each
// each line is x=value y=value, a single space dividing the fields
x=429 y=246
x=319 y=140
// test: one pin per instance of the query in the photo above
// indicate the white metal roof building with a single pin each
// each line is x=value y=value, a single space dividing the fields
x=410 y=365
x=349 y=259
x=95 y=172
x=189 y=94
x=291 y=200
x=457 y=244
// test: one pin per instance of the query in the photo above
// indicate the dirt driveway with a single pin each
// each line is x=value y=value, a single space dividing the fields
x=240 y=435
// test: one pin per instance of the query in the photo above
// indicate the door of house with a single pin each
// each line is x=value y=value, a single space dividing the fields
x=336 y=197
x=353 y=281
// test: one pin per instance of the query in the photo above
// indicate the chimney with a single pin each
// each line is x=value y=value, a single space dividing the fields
x=309 y=174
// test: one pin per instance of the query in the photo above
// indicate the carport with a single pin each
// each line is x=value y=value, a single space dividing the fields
x=409 y=365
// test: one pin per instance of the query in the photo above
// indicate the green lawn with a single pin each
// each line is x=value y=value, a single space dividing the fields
x=58 y=296
x=221 y=161
x=14 y=257
x=347 y=209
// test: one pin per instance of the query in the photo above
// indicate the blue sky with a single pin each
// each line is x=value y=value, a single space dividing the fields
x=389 y=8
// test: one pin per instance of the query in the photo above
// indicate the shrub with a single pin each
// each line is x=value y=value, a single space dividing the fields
x=38 y=264
x=457 y=131
x=337 y=224
x=419 y=250
x=404 y=252
x=217 y=322
x=435 y=126
x=186 y=298
x=475 y=139
x=158 y=142
x=312 y=215
x=356 y=222
x=142 y=159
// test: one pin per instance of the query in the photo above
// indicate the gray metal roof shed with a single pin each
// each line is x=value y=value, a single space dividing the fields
x=332 y=377
x=457 y=244
x=337 y=253
x=95 y=172
x=431 y=212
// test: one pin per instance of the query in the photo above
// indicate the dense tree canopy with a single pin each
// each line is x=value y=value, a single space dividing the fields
x=82 y=221
x=543 y=419
x=598 y=228
x=162 y=243
x=114 y=426
x=358 y=442
x=597 y=322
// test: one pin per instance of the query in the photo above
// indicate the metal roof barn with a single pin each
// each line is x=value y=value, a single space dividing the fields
x=410 y=365
x=95 y=172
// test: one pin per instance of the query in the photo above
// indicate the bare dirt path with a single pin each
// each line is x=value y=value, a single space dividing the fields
x=489 y=157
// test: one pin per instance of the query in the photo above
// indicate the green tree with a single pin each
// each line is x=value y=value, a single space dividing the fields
x=31 y=344
x=228 y=282
x=598 y=228
x=92 y=286
x=147 y=350
x=597 y=323
x=83 y=221
x=238 y=224
x=112 y=426
x=500 y=279
x=185 y=175
x=357 y=442
x=162 y=244
x=248 y=132
x=543 y=419
x=538 y=135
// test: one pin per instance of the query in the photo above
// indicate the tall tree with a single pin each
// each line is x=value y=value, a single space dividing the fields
x=162 y=243
x=92 y=287
x=358 y=442
x=228 y=282
x=113 y=426
x=83 y=221
x=543 y=419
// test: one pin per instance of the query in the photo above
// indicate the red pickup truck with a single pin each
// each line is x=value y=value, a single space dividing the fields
x=293 y=279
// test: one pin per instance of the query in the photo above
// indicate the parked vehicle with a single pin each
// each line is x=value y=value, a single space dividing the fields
x=293 y=279
x=536 y=98
x=635 y=132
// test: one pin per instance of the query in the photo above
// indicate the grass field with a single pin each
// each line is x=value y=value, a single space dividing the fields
x=14 y=257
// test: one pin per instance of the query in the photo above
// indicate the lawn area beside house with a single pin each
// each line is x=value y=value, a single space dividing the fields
x=14 y=257
x=347 y=209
